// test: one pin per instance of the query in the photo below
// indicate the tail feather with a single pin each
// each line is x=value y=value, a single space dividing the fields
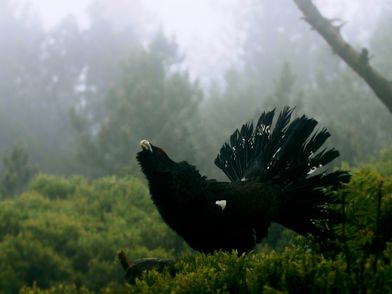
x=281 y=154
x=287 y=156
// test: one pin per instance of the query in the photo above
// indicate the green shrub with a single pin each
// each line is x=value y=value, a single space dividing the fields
x=382 y=162
x=69 y=230
x=57 y=289
x=55 y=187
x=296 y=270
x=24 y=260
x=63 y=235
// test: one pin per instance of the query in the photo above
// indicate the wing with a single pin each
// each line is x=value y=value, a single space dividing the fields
x=247 y=205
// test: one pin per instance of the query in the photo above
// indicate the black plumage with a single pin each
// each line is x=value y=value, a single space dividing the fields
x=276 y=175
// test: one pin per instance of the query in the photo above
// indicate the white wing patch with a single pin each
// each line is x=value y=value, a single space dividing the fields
x=221 y=203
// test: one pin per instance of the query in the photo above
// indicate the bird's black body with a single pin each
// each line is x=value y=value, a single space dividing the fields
x=273 y=178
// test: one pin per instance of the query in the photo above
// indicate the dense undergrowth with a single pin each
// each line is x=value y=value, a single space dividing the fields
x=63 y=234
x=69 y=230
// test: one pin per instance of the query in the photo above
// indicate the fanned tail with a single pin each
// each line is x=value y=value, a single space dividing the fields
x=287 y=155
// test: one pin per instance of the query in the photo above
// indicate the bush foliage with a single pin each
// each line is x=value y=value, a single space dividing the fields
x=63 y=234
x=69 y=230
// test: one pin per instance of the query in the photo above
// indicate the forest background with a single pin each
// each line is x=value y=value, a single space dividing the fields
x=75 y=101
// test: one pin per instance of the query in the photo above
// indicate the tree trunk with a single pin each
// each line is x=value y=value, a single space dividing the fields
x=358 y=61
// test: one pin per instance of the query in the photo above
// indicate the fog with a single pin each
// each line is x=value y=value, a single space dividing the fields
x=83 y=81
x=211 y=33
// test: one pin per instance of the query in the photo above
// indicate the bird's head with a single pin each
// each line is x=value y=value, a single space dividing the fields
x=153 y=159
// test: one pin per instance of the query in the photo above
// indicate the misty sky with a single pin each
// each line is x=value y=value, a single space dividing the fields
x=209 y=31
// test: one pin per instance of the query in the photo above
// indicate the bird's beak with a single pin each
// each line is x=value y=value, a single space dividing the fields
x=146 y=145
x=221 y=203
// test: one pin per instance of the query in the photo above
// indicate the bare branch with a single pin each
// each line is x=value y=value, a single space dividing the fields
x=123 y=260
x=358 y=61
x=135 y=269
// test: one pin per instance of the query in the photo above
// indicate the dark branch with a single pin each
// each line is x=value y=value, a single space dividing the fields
x=123 y=260
x=358 y=61
x=135 y=269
